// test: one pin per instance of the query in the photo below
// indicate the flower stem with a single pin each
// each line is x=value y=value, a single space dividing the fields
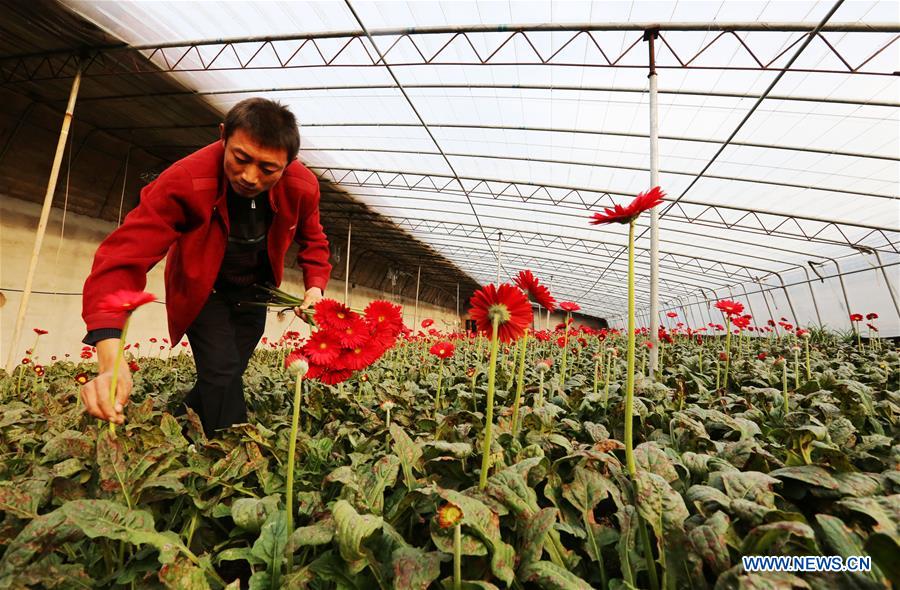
x=292 y=451
x=437 y=399
x=457 y=556
x=565 y=352
x=489 y=417
x=523 y=349
x=808 y=372
x=115 y=375
x=629 y=376
x=784 y=385
x=796 y=368
x=727 y=349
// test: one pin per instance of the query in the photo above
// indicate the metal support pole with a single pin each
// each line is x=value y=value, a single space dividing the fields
x=788 y=297
x=649 y=36
x=42 y=224
x=499 y=244
x=766 y=301
x=415 y=325
x=749 y=305
x=458 y=317
x=812 y=294
x=347 y=266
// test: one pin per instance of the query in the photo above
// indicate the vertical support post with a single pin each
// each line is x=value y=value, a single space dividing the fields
x=649 y=36
x=812 y=294
x=458 y=317
x=415 y=325
x=843 y=290
x=787 y=296
x=749 y=305
x=762 y=292
x=347 y=265
x=499 y=260
x=44 y=219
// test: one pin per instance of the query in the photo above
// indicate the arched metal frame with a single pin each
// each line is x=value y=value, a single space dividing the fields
x=472 y=245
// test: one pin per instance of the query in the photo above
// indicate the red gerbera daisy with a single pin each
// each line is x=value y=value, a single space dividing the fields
x=125 y=300
x=384 y=316
x=358 y=357
x=642 y=202
x=133 y=366
x=526 y=281
x=856 y=317
x=322 y=348
x=40 y=332
x=328 y=375
x=729 y=307
x=82 y=378
x=506 y=303
x=426 y=323
x=869 y=316
x=443 y=350
x=672 y=314
x=569 y=306
x=353 y=335
x=333 y=314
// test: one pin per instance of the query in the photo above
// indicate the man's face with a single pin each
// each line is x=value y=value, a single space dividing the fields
x=252 y=168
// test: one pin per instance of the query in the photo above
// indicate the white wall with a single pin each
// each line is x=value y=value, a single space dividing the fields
x=55 y=303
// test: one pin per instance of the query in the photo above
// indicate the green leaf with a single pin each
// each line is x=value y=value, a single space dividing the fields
x=251 y=513
x=484 y=524
x=650 y=457
x=746 y=485
x=183 y=575
x=67 y=445
x=885 y=511
x=269 y=546
x=409 y=453
x=780 y=538
x=381 y=475
x=319 y=533
x=710 y=542
x=533 y=536
x=549 y=576
x=708 y=500
x=884 y=551
x=111 y=460
x=588 y=489
x=414 y=569
x=40 y=537
x=352 y=530
x=332 y=568
x=110 y=520
x=658 y=504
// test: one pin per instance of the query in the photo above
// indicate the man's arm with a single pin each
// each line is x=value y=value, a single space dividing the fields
x=312 y=257
x=122 y=262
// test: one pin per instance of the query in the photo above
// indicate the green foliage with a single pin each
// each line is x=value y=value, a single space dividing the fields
x=720 y=474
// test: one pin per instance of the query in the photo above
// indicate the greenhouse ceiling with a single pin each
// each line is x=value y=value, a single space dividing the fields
x=491 y=130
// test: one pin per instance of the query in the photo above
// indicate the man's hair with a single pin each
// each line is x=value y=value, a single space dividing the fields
x=270 y=123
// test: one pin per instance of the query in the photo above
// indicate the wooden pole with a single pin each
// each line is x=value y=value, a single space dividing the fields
x=415 y=325
x=347 y=267
x=42 y=224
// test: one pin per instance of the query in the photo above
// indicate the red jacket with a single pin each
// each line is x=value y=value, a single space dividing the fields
x=184 y=212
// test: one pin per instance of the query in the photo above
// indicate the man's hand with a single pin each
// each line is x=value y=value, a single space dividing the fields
x=310 y=298
x=95 y=393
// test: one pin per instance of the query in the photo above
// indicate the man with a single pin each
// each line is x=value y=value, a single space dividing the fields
x=226 y=215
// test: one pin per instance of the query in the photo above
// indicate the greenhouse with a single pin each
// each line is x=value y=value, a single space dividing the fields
x=456 y=294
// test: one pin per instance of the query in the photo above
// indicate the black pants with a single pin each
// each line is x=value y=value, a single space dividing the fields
x=222 y=338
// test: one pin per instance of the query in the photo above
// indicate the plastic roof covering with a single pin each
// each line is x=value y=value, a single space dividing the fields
x=534 y=160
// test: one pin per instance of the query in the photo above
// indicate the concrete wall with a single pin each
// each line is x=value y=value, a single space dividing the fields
x=55 y=303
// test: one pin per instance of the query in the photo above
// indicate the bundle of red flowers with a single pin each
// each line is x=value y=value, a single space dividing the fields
x=347 y=341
